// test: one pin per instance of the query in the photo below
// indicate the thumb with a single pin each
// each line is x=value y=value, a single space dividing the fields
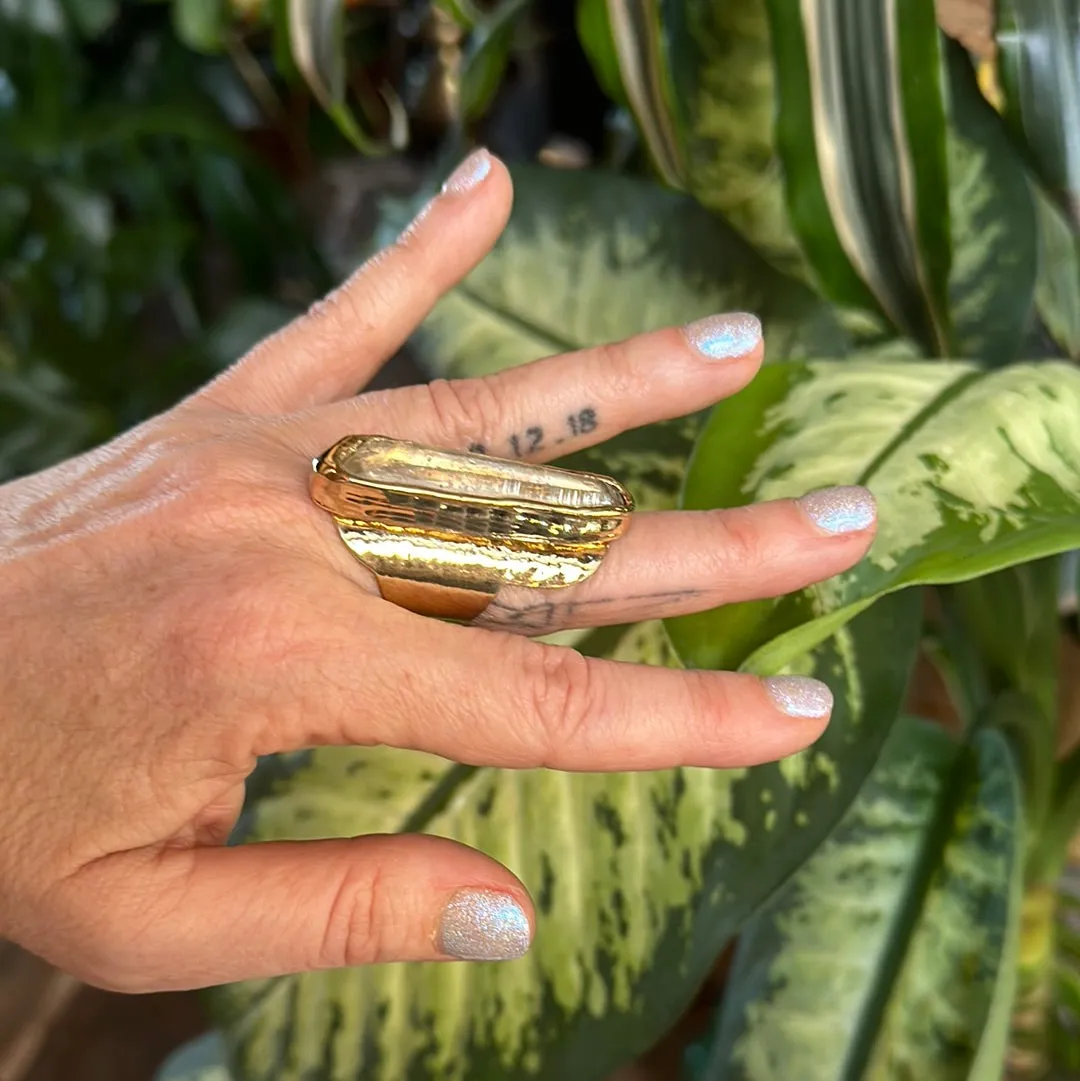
x=186 y=918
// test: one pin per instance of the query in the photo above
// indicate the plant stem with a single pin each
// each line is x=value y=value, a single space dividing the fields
x=1028 y=1057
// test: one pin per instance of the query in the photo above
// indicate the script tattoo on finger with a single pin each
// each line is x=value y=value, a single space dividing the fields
x=544 y=616
x=536 y=438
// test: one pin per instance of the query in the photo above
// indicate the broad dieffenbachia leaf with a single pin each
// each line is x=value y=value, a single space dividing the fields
x=973 y=471
x=891 y=955
x=861 y=134
x=591 y=257
x=639 y=880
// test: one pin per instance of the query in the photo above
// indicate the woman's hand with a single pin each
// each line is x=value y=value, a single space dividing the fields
x=174 y=606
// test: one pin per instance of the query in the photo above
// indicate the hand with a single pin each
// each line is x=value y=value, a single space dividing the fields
x=174 y=606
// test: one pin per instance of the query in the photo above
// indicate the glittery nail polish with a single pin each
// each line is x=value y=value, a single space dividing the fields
x=840 y=510
x=483 y=925
x=468 y=174
x=799 y=696
x=725 y=337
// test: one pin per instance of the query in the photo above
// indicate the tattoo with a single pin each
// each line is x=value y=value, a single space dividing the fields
x=532 y=440
x=545 y=616
x=582 y=422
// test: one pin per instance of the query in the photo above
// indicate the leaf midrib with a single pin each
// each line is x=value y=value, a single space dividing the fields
x=919 y=420
x=558 y=345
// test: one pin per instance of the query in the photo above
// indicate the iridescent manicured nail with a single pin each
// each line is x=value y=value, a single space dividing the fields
x=724 y=337
x=483 y=925
x=840 y=510
x=468 y=174
x=799 y=696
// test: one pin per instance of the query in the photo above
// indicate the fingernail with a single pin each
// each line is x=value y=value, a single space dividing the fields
x=468 y=174
x=484 y=925
x=800 y=696
x=840 y=510
x=724 y=337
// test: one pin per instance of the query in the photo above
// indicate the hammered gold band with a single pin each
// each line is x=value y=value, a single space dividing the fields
x=443 y=530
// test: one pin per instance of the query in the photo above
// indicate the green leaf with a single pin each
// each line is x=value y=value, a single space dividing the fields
x=892 y=953
x=487 y=56
x=1058 y=287
x=591 y=257
x=861 y=134
x=91 y=17
x=639 y=880
x=722 y=58
x=1012 y=618
x=973 y=471
x=317 y=40
x=1040 y=74
x=639 y=31
x=201 y=24
x=594 y=30
x=994 y=229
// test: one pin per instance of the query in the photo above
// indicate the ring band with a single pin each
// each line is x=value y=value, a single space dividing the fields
x=443 y=530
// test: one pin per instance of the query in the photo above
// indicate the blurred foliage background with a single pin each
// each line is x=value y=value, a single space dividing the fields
x=176 y=179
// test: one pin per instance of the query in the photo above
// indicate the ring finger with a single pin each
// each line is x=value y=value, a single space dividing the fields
x=679 y=562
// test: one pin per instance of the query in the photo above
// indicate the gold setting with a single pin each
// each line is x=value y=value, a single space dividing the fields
x=443 y=530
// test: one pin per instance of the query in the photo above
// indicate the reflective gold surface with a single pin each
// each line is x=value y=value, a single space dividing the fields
x=442 y=530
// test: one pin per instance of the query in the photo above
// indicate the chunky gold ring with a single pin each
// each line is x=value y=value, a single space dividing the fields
x=443 y=530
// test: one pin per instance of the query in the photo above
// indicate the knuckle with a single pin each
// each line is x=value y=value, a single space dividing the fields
x=740 y=544
x=622 y=379
x=359 y=922
x=563 y=696
x=465 y=409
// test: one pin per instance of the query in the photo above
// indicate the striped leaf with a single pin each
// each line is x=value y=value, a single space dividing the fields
x=1039 y=42
x=973 y=471
x=1039 y=65
x=316 y=35
x=639 y=880
x=861 y=133
x=892 y=954
x=590 y=257
x=626 y=40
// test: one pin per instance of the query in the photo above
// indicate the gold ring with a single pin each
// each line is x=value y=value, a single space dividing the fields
x=443 y=530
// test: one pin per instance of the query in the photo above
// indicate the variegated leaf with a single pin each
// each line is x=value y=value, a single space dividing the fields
x=627 y=42
x=1058 y=285
x=590 y=257
x=995 y=239
x=639 y=880
x=316 y=35
x=1039 y=43
x=861 y=134
x=973 y=471
x=1039 y=49
x=722 y=60
x=892 y=953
